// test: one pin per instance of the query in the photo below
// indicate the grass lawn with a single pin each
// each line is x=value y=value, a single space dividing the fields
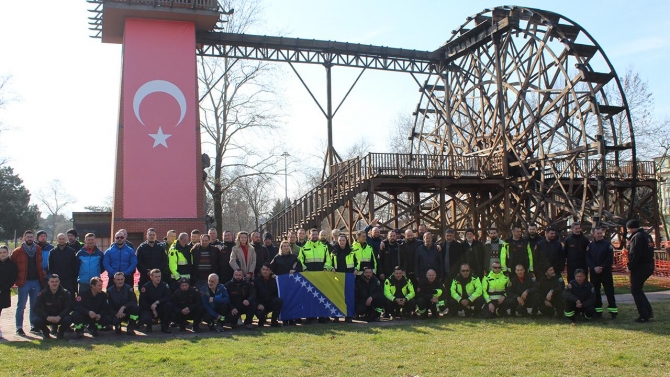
x=468 y=347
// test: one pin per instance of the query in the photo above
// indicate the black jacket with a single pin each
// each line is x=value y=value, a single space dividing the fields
x=518 y=254
x=64 y=263
x=86 y=302
x=517 y=287
x=8 y=273
x=213 y=260
x=240 y=291
x=266 y=290
x=225 y=271
x=575 y=247
x=640 y=254
x=389 y=258
x=427 y=258
x=187 y=299
x=584 y=293
x=339 y=256
x=124 y=297
x=150 y=294
x=555 y=284
x=367 y=289
x=474 y=255
x=262 y=256
x=600 y=254
x=272 y=252
x=150 y=257
x=407 y=256
x=427 y=290
x=452 y=258
x=50 y=304
x=532 y=241
x=283 y=264
x=549 y=254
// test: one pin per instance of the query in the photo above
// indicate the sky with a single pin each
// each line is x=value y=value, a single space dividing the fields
x=62 y=124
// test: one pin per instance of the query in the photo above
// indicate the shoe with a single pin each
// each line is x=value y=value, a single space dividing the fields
x=348 y=320
x=35 y=331
x=166 y=330
x=641 y=320
x=219 y=327
x=275 y=324
x=261 y=324
x=130 y=331
x=94 y=332
x=20 y=332
x=46 y=336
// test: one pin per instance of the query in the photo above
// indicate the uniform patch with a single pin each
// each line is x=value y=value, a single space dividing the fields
x=78 y=298
x=569 y=286
x=143 y=289
x=560 y=280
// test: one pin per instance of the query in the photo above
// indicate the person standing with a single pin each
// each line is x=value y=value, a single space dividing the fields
x=28 y=260
x=285 y=262
x=72 y=240
x=205 y=260
x=516 y=251
x=599 y=258
x=90 y=263
x=8 y=273
x=492 y=249
x=575 y=248
x=272 y=249
x=640 y=267
x=473 y=253
x=151 y=254
x=407 y=256
x=243 y=256
x=46 y=249
x=120 y=257
x=427 y=257
x=64 y=263
x=180 y=261
x=389 y=255
x=549 y=252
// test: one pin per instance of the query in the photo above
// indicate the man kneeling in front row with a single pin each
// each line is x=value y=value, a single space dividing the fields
x=52 y=308
x=187 y=305
x=123 y=304
x=268 y=298
x=156 y=302
x=579 y=297
x=466 y=293
x=91 y=308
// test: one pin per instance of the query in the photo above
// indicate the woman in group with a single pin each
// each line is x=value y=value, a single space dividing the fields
x=285 y=262
x=243 y=255
x=8 y=274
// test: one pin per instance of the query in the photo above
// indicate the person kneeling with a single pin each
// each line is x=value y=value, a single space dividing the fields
x=187 y=305
x=268 y=298
x=91 y=308
x=399 y=293
x=494 y=286
x=369 y=296
x=430 y=295
x=242 y=299
x=52 y=308
x=123 y=303
x=466 y=293
x=550 y=292
x=215 y=301
x=523 y=291
x=579 y=297
x=156 y=302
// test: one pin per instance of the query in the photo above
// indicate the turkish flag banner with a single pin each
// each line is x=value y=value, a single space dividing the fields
x=159 y=120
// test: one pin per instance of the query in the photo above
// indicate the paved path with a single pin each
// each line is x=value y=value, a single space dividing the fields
x=8 y=326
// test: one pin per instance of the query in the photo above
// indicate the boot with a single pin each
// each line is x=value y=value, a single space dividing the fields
x=45 y=334
x=130 y=330
x=61 y=333
x=117 y=329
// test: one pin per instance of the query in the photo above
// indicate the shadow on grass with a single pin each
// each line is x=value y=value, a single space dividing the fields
x=659 y=326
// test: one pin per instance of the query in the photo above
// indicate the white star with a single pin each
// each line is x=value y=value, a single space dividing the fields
x=304 y=283
x=315 y=294
x=160 y=138
x=296 y=277
x=328 y=306
x=321 y=300
x=333 y=311
x=309 y=289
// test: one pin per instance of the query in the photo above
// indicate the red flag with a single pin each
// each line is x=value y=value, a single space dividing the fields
x=159 y=119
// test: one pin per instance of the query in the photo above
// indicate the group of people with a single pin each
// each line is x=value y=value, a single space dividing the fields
x=196 y=277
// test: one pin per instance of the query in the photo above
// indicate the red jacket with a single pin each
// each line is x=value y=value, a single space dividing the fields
x=20 y=258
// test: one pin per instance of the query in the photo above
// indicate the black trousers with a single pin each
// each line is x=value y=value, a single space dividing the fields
x=375 y=308
x=571 y=310
x=43 y=325
x=79 y=320
x=221 y=309
x=530 y=302
x=638 y=277
x=606 y=280
x=396 y=310
x=508 y=303
x=556 y=305
x=474 y=307
x=164 y=313
x=248 y=311
x=181 y=318
x=425 y=304
x=274 y=306
x=132 y=314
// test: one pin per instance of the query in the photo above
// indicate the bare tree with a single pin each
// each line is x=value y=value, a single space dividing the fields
x=237 y=106
x=54 y=198
x=399 y=141
x=256 y=191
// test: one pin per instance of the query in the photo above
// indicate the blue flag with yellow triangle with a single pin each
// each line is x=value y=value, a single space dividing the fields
x=316 y=294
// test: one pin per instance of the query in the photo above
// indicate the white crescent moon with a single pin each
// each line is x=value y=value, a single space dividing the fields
x=159 y=86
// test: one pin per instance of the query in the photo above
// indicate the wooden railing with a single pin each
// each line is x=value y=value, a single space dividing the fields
x=426 y=165
x=622 y=170
x=211 y=5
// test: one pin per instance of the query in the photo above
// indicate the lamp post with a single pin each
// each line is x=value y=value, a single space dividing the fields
x=285 y=155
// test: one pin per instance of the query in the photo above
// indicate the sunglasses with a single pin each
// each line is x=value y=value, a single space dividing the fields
x=496 y=268
x=465 y=270
x=120 y=238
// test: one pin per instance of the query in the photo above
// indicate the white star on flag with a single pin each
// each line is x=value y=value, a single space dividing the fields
x=310 y=288
x=315 y=294
x=321 y=300
x=303 y=283
x=328 y=306
x=160 y=138
x=296 y=277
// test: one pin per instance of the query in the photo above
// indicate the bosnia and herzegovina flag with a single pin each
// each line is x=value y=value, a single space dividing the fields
x=316 y=294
